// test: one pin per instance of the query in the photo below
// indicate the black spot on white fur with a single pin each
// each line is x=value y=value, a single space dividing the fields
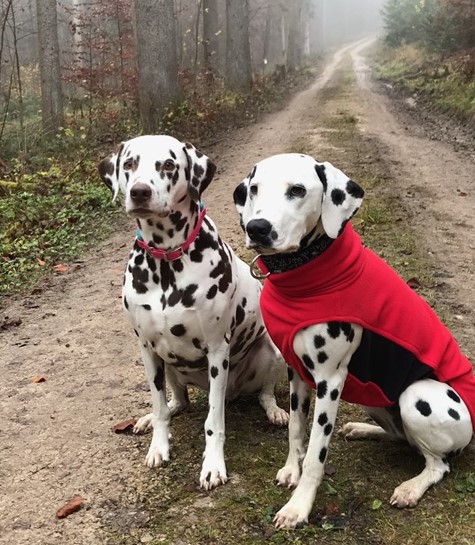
x=322 y=419
x=178 y=330
x=453 y=396
x=338 y=196
x=322 y=388
x=308 y=362
x=423 y=407
x=319 y=341
x=323 y=455
x=454 y=414
x=334 y=329
x=322 y=357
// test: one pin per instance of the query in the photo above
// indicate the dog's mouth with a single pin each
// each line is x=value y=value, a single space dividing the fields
x=145 y=213
x=270 y=250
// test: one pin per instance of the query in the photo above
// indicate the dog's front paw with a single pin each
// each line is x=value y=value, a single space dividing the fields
x=213 y=474
x=144 y=423
x=157 y=456
x=288 y=476
x=405 y=495
x=176 y=405
x=278 y=416
x=290 y=517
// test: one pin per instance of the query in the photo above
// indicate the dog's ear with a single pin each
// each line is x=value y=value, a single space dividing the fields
x=200 y=171
x=240 y=197
x=342 y=198
x=109 y=171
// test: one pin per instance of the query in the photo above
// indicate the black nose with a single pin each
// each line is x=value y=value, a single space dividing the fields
x=259 y=230
x=140 y=193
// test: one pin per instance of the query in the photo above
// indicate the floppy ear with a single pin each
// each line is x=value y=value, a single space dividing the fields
x=341 y=198
x=200 y=171
x=109 y=171
x=240 y=197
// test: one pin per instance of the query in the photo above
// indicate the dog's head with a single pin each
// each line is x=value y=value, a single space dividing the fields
x=156 y=172
x=287 y=196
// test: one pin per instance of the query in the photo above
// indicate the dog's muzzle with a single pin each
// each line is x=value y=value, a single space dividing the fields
x=259 y=231
x=140 y=194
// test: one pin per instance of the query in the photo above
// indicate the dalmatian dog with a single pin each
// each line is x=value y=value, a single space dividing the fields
x=348 y=328
x=192 y=302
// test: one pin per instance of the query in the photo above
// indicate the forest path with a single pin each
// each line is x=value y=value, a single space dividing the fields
x=56 y=435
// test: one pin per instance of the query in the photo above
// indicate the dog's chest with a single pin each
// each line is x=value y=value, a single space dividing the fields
x=173 y=304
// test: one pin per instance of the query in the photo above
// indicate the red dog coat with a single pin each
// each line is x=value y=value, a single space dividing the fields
x=403 y=340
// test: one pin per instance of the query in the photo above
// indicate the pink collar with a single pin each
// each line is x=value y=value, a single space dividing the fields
x=172 y=255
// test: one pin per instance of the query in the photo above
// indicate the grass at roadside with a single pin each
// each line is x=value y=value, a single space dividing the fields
x=351 y=506
x=448 y=83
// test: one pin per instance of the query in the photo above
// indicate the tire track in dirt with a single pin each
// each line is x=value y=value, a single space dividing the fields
x=56 y=436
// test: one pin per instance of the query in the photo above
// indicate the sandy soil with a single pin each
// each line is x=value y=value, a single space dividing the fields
x=56 y=438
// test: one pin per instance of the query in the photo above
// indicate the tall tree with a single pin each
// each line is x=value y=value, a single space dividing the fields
x=211 y=34
x=238 y=51
x=157 y=65
x=50 y=73
x=295 y=43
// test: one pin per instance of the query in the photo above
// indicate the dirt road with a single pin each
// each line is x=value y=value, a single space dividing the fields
x=56 y=438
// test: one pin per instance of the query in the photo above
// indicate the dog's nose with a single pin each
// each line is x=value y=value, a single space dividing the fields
x=259 y=230
x=140 y=193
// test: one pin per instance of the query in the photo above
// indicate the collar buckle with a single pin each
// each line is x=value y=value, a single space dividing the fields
x=256 y=271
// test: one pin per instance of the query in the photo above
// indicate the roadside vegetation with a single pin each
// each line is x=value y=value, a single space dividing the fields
x=430 y=53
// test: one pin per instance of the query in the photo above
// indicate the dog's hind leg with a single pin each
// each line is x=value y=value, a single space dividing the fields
x=389 y=428
x=436 y=422
x=159 y=451
x=269 y=362
x=179 y=400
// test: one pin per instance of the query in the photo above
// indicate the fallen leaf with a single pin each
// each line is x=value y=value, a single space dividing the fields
x=125 y=426
x=330 y=470
x=73 y=505
x=413 y=283
x=61 y=268
x=332 y=510
x=36 y=379
x=40 y=262
x=462 y=193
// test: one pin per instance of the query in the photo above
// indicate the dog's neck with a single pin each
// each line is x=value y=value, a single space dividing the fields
x=311 y=246
x=171 y=231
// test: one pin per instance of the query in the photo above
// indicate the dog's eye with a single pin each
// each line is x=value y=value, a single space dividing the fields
x=168 y=165
x=129 y=164
x=253 y=190
x=297 y=191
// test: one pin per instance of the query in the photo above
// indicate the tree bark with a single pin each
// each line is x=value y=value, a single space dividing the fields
x=238 y=52
x=211 y=34
x=50 y=73
x=294 y=52
x=157 y=65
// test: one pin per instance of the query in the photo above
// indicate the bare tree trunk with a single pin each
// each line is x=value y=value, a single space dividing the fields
x=51 y=90
x=156 y=60
x=294 y=53
x=211 y=34
x=197 y=44
x=21 y=109
x=238 y=52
